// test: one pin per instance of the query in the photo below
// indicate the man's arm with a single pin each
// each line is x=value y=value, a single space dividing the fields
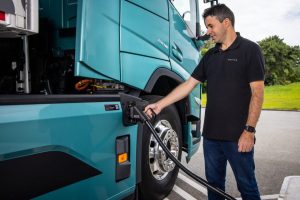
x=175 y=95
x=246 y=141
x=257 y=89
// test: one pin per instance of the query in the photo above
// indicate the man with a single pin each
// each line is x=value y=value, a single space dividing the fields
x=234 y=71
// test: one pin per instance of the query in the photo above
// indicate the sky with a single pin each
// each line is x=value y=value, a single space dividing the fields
x=259 y=19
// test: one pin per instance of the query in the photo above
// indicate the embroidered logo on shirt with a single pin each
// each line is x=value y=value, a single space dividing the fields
x=232 y=59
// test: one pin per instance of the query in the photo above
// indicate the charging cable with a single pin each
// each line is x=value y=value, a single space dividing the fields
x=144 y=119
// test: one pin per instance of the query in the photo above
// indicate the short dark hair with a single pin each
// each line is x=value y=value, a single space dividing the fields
x=220 y=11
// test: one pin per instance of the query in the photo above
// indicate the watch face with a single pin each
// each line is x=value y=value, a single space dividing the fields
x=250 y=129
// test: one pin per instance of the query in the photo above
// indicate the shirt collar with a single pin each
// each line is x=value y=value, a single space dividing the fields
x=234 y=45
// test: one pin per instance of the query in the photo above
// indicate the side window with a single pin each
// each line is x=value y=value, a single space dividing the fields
x=187 y=10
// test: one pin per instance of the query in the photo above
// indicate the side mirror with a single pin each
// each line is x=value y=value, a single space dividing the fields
x=187 y=14
x=199 y=41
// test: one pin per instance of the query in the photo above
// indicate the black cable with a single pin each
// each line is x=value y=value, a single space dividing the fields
x=144 y=118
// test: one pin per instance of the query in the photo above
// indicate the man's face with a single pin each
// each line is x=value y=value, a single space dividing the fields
x=215 y=29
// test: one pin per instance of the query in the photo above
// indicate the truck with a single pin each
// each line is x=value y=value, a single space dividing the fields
x=63 y=66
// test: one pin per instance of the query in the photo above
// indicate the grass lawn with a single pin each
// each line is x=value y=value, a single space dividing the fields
x=278 y=97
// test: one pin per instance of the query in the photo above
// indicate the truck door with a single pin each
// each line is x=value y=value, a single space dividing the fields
x=182 y=32
x=184 y=57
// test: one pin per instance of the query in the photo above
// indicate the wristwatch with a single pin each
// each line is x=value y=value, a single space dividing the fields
x=250 y=129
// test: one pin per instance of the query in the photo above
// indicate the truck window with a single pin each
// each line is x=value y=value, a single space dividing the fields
x=187 y=10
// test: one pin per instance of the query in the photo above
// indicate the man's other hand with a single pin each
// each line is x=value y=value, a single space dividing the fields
x=246 y=141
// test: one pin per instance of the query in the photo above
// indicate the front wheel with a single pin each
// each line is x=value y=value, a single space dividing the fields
x=159 y=172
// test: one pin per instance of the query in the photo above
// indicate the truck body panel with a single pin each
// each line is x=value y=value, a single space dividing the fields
x=151 y=40
x=98 y=57
x=137 y=69
x=76 y=129
x=151 y=6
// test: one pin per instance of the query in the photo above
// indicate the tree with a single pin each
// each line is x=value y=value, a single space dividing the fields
x=282 y=61
x=207 y=45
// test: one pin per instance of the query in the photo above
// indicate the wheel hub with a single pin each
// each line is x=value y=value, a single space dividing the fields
x=160 y=163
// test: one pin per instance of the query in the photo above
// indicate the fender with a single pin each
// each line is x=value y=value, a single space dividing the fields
x=160 y=72
x=163 y=72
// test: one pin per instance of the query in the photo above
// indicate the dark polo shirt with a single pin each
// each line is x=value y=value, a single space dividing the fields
x=228 y=74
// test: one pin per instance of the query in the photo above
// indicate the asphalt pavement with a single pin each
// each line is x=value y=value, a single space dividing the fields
x=277 y=155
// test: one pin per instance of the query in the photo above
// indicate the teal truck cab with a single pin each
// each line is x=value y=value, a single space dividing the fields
x=63 y=64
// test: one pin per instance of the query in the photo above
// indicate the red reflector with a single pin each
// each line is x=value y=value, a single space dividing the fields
x=2 y=15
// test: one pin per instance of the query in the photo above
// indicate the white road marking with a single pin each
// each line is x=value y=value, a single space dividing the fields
x=183 y=193
x=266 y=197
x=193 y=183
x=203 y=189
x=271 y=196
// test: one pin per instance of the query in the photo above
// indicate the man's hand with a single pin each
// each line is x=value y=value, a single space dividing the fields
x=246 y=141
x=154 y=107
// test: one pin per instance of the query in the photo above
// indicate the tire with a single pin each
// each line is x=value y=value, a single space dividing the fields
x=158 y=177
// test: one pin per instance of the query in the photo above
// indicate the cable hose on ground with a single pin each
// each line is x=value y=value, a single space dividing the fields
x=145 y=119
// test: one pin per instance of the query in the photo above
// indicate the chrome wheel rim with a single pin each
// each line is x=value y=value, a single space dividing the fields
x=160 y=163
